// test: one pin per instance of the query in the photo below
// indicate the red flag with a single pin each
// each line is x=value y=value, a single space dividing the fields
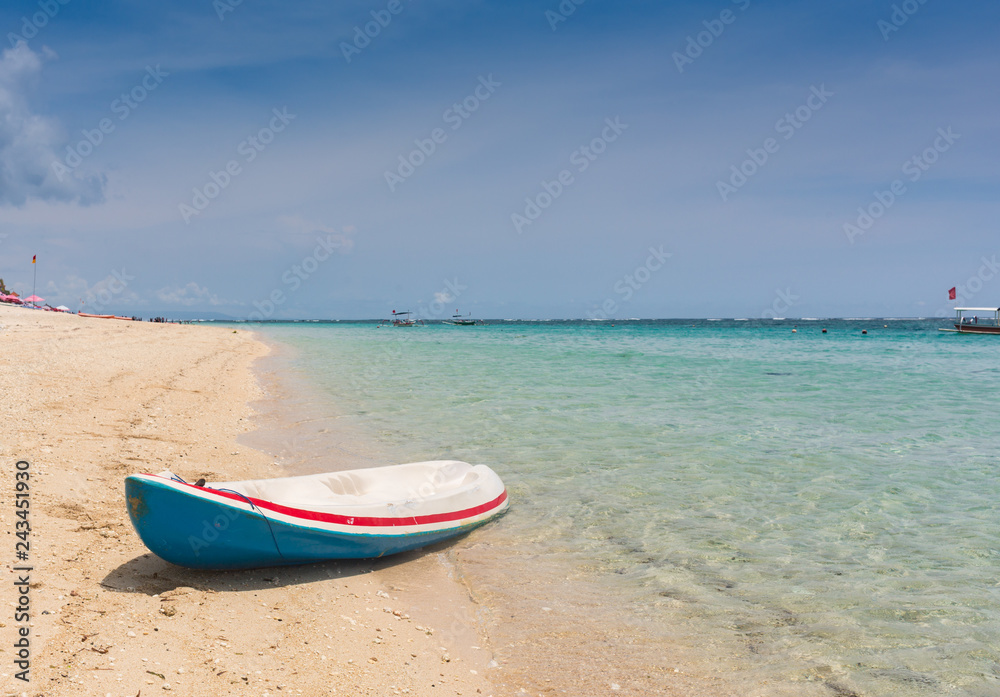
x=951 y=294
x=33 y=258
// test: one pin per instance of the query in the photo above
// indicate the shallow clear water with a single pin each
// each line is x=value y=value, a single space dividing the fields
x=820 y=509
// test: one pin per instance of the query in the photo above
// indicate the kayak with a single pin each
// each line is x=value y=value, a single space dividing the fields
x=84 y=314
x=355 y=514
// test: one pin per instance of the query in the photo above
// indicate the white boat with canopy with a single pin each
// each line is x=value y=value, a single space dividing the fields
x=987 y=323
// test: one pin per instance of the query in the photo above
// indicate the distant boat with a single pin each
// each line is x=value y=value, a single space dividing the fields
x=461 y=321
x=357 y=514
x=988 y=324
x=402 y=319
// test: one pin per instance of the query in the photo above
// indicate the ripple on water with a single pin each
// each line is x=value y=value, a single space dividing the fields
x=807 y=516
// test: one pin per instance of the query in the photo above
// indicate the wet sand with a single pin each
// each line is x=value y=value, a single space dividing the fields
x=89 y=401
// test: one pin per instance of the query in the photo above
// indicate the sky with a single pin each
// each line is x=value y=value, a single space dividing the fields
x=585 y=158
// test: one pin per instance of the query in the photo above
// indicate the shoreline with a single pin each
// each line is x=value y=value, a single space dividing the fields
x=296 y=426
x=88 y=402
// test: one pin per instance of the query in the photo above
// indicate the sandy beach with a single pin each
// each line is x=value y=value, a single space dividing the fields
x=87 y=402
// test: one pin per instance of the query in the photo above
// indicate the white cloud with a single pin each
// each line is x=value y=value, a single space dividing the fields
x=72 y=288
x=28 y=141
x=191 y=294
x=109 y=293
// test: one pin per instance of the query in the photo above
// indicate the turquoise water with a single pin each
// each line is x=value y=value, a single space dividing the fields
x=819 y=509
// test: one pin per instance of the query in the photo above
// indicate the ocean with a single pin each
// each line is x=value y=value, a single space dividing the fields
x=739 y=507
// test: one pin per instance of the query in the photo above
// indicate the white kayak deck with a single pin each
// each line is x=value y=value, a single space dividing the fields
x=420 y=488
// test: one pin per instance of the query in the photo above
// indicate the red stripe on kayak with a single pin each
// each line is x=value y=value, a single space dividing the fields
x=306 y=514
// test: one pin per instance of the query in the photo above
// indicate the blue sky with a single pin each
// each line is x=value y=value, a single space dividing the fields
x=506 y=159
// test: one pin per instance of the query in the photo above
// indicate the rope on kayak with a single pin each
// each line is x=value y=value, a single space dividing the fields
x=268 y=522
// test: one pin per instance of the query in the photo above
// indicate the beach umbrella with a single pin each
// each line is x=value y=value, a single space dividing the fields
x=62 y=308
x=34 y=299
